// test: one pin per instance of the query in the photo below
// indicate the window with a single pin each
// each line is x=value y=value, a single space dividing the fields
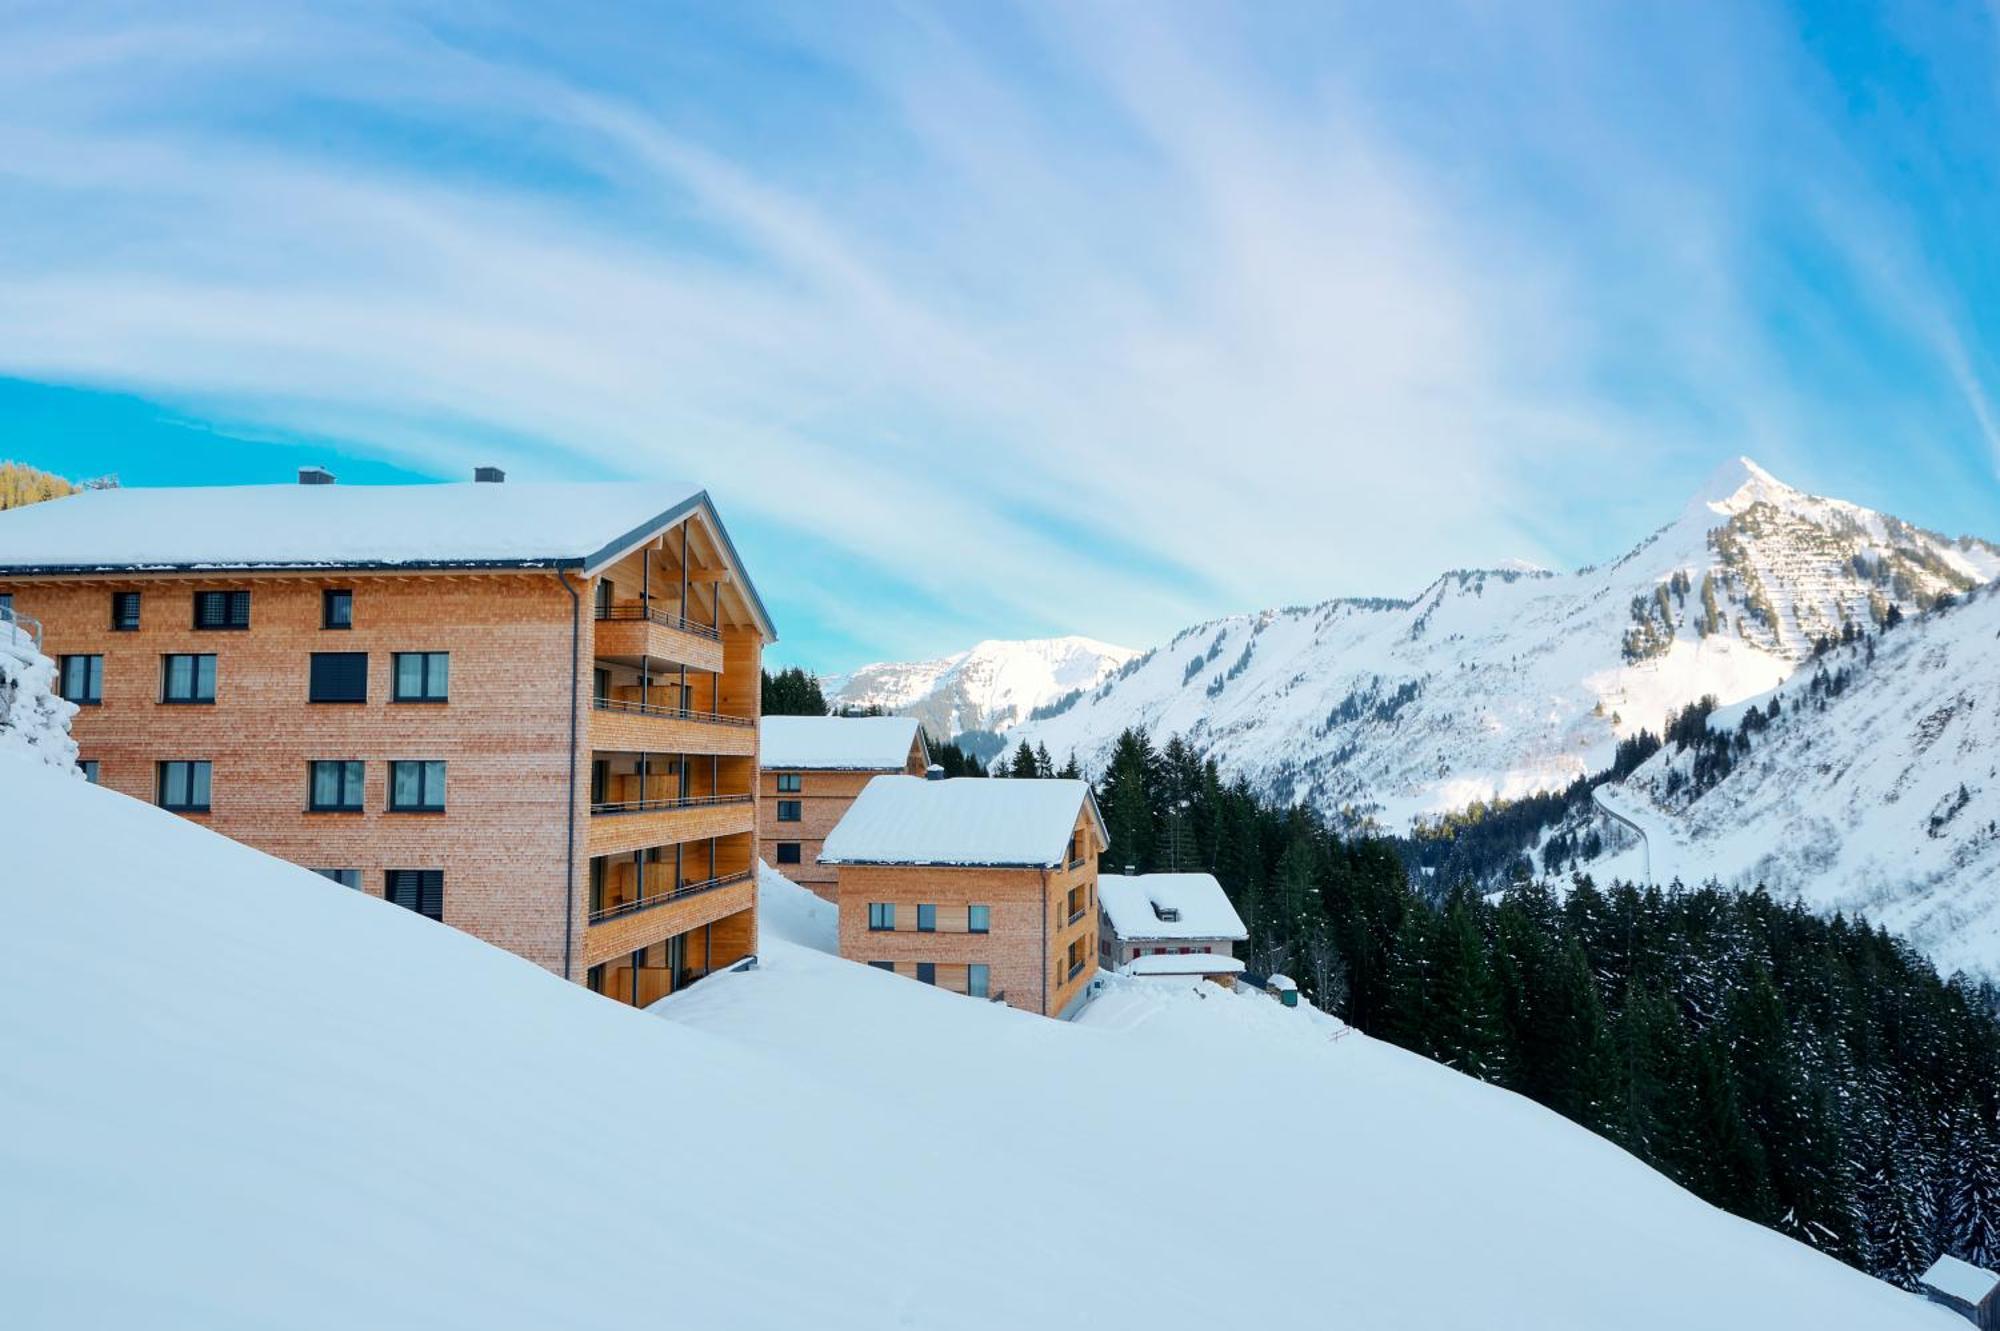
x=881 y=915
x=420 y=890
x=338 y=677
x=187 y=677
x=6 y=604
x=603 y=595
x=124 y=611
x=345 y=877
x=222 y=610
x=600 y=781
x=788 y=852
x=336 y=609
x=976 y=981
x=1076 y=904
x=335 y=787
x=889 y=966
x=1076 y=958
x=788 y=811
x=927 y=972
x=978 y=919
x=927 y=919
x=423 y=676
x=416 y=787
x=88 y=766
x=183 y=786
x=790 y=783
x=82 y=680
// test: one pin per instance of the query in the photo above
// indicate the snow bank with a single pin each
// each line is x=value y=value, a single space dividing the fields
x=34 y=722
x=236 y=1095
x=836 y=743
x=1182 y=963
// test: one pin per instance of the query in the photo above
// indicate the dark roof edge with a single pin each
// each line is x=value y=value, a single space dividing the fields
x=941 y=864
x=328 y=566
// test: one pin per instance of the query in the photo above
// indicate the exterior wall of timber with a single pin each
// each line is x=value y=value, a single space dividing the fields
x=824 y=796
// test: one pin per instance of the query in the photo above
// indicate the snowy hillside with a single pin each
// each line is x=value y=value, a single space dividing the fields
x=1508 y=681
x=991 y=688
x=1875 y=788
x=238 y=1095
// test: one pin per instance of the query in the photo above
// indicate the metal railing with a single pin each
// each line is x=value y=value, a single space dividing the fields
x=1078 y=914
x=670 y=713
x=662 y=805
x=26 y=625
x=630 y=613
x=681 y=893
x=1077 y=969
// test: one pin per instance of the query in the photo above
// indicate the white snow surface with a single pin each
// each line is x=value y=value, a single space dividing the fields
x=1499 y=683
x=1886 y=802
x=236 y=1095
x=34 y=722
x=1961 y=1279
x=836 y=743
x=993 y=686
x=1130 y=900
x=961 y=820
x=1183 y=963
x=247 y=526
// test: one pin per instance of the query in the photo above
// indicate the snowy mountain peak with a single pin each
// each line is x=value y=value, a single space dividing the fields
x=1738 y=483
x=989 y=688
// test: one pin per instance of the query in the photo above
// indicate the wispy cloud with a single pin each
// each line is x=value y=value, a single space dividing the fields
x=1046 y=318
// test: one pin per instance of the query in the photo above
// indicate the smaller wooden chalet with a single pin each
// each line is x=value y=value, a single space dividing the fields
x=1971 y=1291
x=811 y=770
x=1176 y=924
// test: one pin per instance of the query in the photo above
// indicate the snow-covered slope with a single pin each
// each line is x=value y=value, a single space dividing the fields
x=1876 y=789
x=237 y=1095
x=34 y=723
x=993 y=687
x=1507 y=681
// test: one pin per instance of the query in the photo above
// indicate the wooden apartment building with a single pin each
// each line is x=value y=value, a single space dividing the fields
x=529 y=711
x=813 y=769
x=986 y=887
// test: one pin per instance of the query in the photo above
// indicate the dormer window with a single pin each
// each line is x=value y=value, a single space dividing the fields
x=1167 y=914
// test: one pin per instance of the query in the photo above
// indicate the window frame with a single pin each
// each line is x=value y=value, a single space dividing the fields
x=986 y=912
x=927 y=911
x=423 y=784
x=355 y=768
x=234 y=598
x=93 y=672
x=791 y=811
x=329 y=597
x=425 y=879
x=350 y=878
x=424 y=696
x=118 y=601
x=985 y=989
x=313 y=680
x=797 y=852
x=881 y=910
x=927 y=972
x=160 y=785
x=92 y=770
x=791 y=783
x=167 y=698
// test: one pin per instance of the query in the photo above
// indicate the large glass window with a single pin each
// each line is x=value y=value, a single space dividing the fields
x=187 y=677
x=790 y=783
x=335 y=787
x=976 y=980
x=222 y=610
x=338 y=677
x=881 y=915
x=183 y=786
x=416 y=787
x=788 y=811
x=978 y=919
x=82 y=680
x=423 y=676
x=926 y=919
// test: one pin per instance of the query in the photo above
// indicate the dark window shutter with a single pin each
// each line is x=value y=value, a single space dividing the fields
x=339 y=677
x=431 y=904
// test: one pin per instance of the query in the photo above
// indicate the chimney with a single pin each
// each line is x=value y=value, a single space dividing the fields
x=935 y=772
x=489 y=475
x=315 y=476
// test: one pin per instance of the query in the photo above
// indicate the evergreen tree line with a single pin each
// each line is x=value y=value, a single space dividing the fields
x=1813 y=1075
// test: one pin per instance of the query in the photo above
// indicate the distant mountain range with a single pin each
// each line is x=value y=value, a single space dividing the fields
x=978 y=696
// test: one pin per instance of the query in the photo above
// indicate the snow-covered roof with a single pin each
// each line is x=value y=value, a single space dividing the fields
x=1184 y=963
x=1139 y=906
x=1961 y=1280
x=837 y=743
x=989 y=821
x=472 y=524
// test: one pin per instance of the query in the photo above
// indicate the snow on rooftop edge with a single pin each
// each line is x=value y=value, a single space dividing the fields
x=249 y=526
x=961 y=821
x=1132 y=902
x=836 y=743
x=1961 y=1279
x=1183 y=963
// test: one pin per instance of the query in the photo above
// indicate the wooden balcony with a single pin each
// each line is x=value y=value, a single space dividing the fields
x=630 y=630
x=620 y=725
x=633 y=925
x=619 y=828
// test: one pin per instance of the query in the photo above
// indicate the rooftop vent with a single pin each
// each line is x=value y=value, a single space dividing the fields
x=935 y=772
x=490 y=475
x=315 y=476
x=1168 y=914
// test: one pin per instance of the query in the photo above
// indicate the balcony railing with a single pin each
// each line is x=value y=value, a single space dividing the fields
x=660 y=805
x=1076 y=970
x=671 y=713
x=681 y=893
x=26 y=625
x=1078 y=914
x=660 y=617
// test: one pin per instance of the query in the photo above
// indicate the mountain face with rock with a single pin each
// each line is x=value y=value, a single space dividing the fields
x=986 y=692
x=1496 y=683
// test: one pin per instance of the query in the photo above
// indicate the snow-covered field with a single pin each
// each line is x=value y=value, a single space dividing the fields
x=237 y=1095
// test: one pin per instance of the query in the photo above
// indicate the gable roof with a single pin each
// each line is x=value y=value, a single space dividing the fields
x=1134 y=904
x=838 y=743
x=986 y=821
x=581 y=525
x=1961 y=1280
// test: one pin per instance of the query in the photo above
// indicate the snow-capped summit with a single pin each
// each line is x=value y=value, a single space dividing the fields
x=992 y=687
x=1499 y=682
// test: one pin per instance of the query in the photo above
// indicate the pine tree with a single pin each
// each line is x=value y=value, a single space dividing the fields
x=1467 y=1031
x=793 y=692
x=1970 y=1215
x=1023 y=764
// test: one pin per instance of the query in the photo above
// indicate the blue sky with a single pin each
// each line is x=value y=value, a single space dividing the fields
x=1002 y=320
